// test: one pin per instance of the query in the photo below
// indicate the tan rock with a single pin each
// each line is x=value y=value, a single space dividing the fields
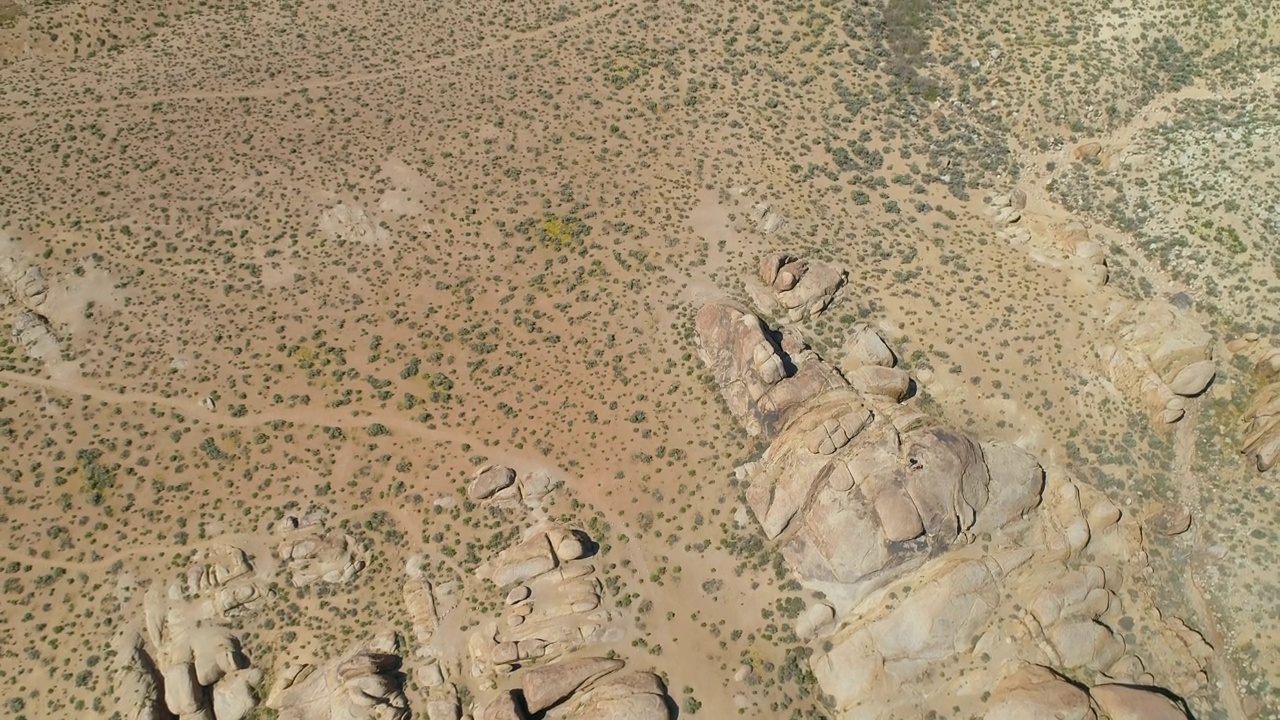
x=1037 y=693
x=548 y=685
x=1125 y=702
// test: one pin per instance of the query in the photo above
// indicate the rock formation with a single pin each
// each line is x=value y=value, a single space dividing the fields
x=934 y=549
x=316 y=554
x=196 y=673
x=351 y=224
x=767 y=220
x=586 y=688
x=553 y=603
x=362 y=683
x=32 y=333
x=1156 y=353
x=760 y=382
x=854 y=486
x=800 y=288
x=25 y=281
x=215 y=567
x=1262 y=417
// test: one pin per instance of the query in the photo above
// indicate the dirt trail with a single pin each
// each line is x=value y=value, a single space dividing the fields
x=316 y=417
x=1189 y=490
x=318 y=83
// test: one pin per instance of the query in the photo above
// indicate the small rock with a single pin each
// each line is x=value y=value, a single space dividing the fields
x=1172 y=520
x=490 y=480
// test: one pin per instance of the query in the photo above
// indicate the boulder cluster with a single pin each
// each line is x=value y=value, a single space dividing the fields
x=363 y=683
x=191 y=671
x=1065 y=243
x=796 y=287
x=1155 y=352
x=586 y=688
x=947 y=563
x=1261 y=442
x=23 y=288
x=552 y=603
x=316 y=554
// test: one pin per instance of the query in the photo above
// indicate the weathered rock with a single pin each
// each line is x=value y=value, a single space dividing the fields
x=1170 y=521
x=799 y=287
x=1038 y=693
x=421 y=606
x=1127 y=702
x=1154 y=352
x=766 y=219
x=891 y=645
x=1087 y=151
x=818 y=618
x=182 y=694
x=761 y=386
x=236 y=695
x=863 y=347
x=889 y=383
x=32 y=333
x=490 y=480
x=523 y=562
x=551 y=684
x=351 y=224
x=506 y=706
x=1262 y=418
x=136 y=690
x=362 y=683
x=315 y=554
x=25 y=281
x=621 y=696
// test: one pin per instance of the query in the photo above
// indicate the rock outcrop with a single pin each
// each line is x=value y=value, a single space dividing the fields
x=945 y=561
x=196 y=673
x=586 y=688
x=760 y=382
x=1262 y=417
x=362 y=683
x=553 y=603
x=316 y=554
x=797 y=287
x=351 y=224
x=25 y=281
x=32 y=333
x=1158 y=355
x=857 y=485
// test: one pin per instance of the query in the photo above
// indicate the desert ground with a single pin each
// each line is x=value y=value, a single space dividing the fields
x=639 y=360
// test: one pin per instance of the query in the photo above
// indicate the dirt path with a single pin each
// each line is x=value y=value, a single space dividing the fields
x=1189 y=490
x=318 y=83
x=315 y=417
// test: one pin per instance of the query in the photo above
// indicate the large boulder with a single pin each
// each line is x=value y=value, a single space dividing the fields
x=316 y=554
x=621 y=696
x=1262 y=417
x=531 y=558
x=1158 y=355
x=1038 y=693
x=549 y=685
x=760 y=383
x=800 y=288
x=362 y=683
x=856 y=497
x=490 y=480
x=1128 y=702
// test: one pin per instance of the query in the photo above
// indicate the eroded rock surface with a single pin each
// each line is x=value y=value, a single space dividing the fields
x=937 y=550
x=761 y=384
x=1157 y=355
x=362 y=683
x=799 y=287
x=1261 y=442
x=316 y=554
